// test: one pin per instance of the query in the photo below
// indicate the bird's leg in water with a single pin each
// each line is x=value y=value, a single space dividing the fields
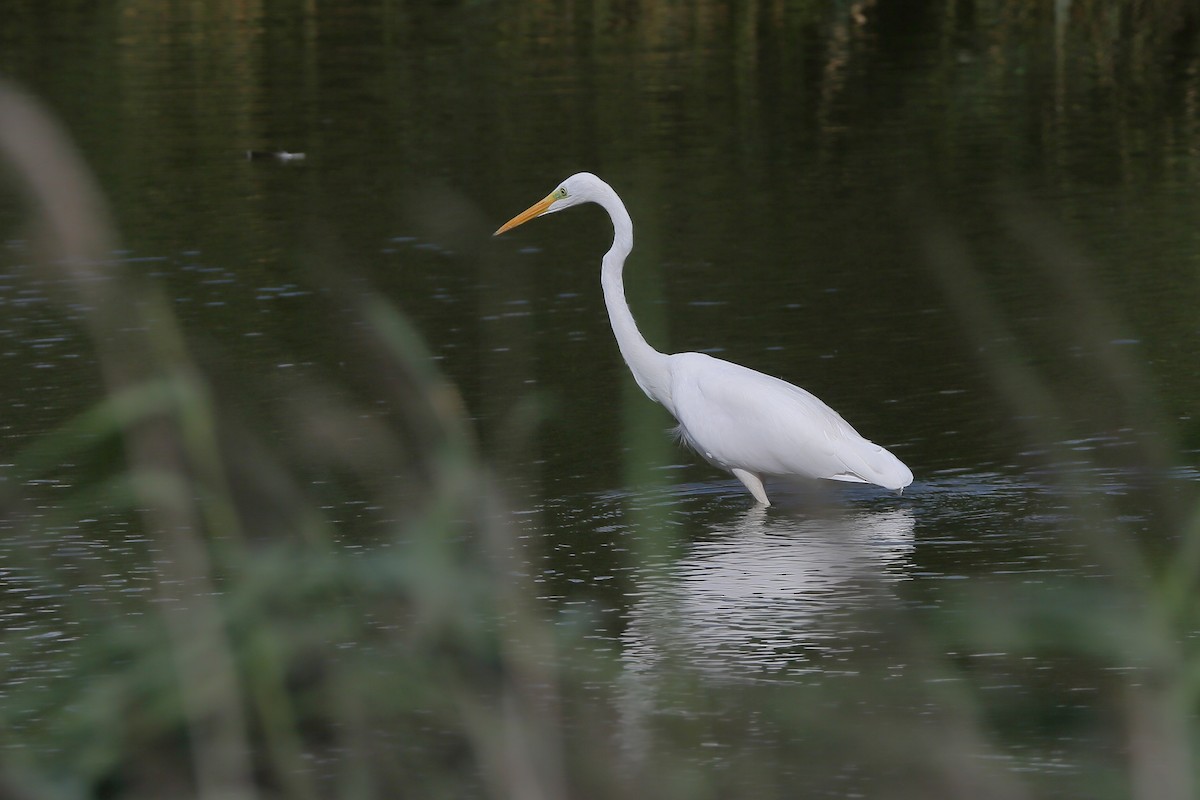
x=754 y=484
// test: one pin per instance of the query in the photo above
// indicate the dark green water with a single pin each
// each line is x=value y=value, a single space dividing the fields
x=907 y=208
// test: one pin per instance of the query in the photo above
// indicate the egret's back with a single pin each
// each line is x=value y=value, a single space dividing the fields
x=738 y=418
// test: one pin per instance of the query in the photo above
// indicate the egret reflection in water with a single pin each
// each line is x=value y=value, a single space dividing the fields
x=760 y=599
x=762 y=594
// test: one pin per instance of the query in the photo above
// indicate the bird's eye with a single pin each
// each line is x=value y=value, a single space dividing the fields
x=561 y=194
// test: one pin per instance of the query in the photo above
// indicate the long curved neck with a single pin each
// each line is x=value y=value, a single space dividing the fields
x=649 y=367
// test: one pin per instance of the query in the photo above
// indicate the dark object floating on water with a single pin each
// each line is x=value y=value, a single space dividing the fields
x=277 y=155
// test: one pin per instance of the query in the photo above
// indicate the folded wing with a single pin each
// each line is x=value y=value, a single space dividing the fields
x=736 y=417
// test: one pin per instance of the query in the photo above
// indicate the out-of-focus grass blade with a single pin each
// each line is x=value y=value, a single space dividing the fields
x=106 y=420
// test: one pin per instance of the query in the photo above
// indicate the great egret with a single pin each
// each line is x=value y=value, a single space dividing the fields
x=739 y=420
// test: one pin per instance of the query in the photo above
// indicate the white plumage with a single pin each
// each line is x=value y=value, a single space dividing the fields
x=740 y=420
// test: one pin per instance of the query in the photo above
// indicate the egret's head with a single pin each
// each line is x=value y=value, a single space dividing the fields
x=579 y=188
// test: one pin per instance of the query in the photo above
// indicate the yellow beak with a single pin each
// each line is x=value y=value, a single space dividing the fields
x=535 y=210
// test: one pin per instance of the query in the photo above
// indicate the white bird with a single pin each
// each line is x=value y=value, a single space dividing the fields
x=739 y=420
